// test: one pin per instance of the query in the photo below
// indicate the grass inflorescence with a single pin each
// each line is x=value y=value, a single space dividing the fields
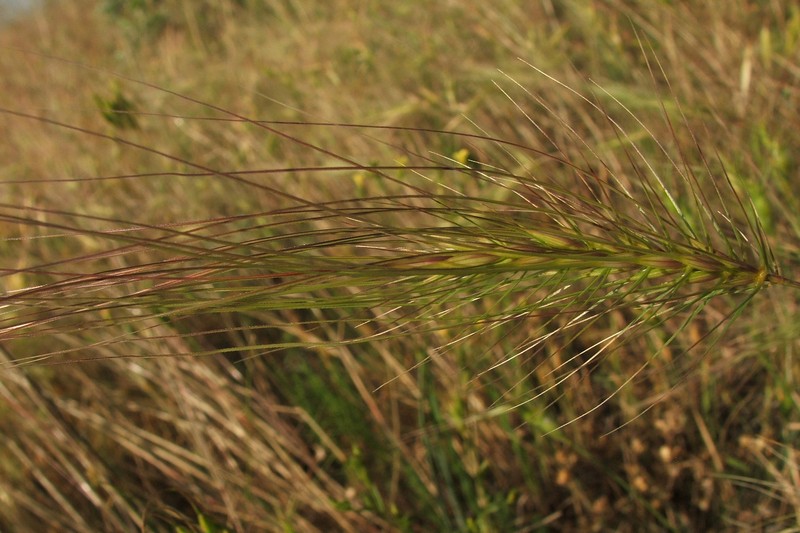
x=506 y=298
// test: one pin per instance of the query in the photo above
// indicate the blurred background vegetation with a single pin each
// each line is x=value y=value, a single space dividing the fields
x=325 y=438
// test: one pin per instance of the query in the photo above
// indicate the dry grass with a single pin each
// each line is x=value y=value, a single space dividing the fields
x=409 y=432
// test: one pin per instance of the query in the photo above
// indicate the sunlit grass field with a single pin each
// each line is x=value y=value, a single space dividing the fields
x=400 y=266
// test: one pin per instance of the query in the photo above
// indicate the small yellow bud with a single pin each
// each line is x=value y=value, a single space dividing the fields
x=461 y=156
